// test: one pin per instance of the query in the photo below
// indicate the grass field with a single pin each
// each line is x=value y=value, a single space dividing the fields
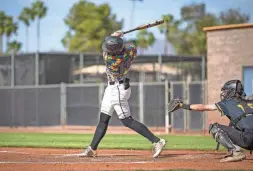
x=110 y=141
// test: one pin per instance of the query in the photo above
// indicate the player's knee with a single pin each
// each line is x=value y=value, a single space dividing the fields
x=104 y=118
x=127 y=121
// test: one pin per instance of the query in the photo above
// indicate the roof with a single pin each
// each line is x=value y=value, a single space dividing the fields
x=227 y=27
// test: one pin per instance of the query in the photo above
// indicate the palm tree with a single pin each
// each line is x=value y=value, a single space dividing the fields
x=13 y=46
x=10 y=28
x=2 y=19
x=145 y=39
x=25 y=16
x=40 y=11
x=171 y=31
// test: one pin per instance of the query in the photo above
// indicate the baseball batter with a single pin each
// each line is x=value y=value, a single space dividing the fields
x=118 y=58
x=239 y=110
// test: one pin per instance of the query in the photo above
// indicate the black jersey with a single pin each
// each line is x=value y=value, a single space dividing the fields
x=239 y=112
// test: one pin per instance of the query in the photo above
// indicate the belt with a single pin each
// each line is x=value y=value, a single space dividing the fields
x=113 y=82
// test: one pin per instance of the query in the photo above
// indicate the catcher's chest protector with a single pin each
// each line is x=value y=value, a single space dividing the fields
x=234 y=109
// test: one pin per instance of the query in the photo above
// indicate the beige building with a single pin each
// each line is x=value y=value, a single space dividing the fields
x=229 y=56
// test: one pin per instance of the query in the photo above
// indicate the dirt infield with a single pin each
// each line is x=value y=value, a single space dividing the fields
x=26 y=159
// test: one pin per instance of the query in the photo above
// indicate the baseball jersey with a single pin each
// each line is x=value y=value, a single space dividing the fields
x=233 y=109
x=117 y=66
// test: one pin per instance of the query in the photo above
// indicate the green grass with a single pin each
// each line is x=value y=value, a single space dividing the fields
x=110 y=141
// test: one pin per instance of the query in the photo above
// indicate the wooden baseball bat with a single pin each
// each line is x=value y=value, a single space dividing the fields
x=152 y=24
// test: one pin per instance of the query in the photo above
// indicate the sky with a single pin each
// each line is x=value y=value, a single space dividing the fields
x=53 y=28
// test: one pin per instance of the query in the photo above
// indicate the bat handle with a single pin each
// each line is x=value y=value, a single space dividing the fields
x=125 y=32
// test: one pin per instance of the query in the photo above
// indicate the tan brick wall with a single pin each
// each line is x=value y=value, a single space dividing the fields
x=227 y=52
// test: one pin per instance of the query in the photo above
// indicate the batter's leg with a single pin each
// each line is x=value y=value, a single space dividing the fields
x=124 y=114
x=106 y=113
x=100 y=130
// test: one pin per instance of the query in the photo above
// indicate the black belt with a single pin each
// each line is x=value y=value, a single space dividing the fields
x=113 y=82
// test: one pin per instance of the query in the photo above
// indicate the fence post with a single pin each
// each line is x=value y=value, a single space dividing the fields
x=37 y=68
x=141 y=102
x=171 y=97
x=167 y=121
x=81 y=67
x=12 y=86
x=186 y=112
x=12 y=70
x=159 y=73
x=63 y=104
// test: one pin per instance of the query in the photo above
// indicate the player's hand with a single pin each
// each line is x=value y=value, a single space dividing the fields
x=118 y=33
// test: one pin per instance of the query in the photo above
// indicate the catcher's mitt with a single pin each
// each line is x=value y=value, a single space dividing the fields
x=174 y=105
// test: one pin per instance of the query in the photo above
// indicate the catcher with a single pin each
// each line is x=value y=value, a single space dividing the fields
x=239 y=109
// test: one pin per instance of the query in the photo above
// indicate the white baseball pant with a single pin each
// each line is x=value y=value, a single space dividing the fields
x=116 y=98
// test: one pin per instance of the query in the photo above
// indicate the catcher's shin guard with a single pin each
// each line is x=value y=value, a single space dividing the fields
x=221 y=137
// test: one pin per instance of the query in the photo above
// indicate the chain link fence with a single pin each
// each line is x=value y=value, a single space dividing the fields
x=79 y=104
x=55 y=68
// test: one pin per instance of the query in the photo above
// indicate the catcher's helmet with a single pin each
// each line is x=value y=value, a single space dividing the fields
x=113 y=44
x=232 y=89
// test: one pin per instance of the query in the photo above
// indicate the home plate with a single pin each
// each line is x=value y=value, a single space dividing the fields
x=70 y=155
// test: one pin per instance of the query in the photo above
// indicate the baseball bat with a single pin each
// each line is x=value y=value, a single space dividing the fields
x=144 y=26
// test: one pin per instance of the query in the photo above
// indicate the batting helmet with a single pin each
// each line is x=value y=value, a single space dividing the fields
x=113 y=44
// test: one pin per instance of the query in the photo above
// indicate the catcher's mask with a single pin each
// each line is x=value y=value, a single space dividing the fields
x=113 y=45
x=232 y=89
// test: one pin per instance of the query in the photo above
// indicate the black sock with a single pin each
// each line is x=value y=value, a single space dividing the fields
x=140 y=128
x=100 y=130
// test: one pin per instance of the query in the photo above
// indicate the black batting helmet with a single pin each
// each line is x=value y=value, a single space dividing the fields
x=232 y=89
x=113 y=44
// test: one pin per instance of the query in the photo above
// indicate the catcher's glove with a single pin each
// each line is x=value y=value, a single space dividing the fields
x=174 y=105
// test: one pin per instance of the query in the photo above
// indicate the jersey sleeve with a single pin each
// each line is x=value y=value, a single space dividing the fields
x=221 y=106
x=132 y=51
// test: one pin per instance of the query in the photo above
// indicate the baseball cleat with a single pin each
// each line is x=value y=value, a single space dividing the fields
x=157 y=147
x=235 y=156
x=88 y=152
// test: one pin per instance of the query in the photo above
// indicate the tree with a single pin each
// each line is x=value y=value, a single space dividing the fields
x=14 y=47
x=89 y=24
x=233 y=16
x=26 y=16
x=145 y=39
x=187 y=35
x=10 y=28
x=171 y=30
x=66 y=40
x=39 y=10
x=2 y=24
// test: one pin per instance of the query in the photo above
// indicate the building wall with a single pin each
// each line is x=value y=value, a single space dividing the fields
x=228 y=50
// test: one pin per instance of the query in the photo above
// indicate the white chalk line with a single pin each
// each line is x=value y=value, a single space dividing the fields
x=14 y=152
x=99 y=162
x=103 y=155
